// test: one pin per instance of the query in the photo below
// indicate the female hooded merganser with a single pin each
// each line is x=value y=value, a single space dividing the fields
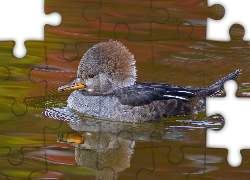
x=106 y=88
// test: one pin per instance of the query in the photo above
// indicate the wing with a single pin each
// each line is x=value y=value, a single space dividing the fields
x=144 y=93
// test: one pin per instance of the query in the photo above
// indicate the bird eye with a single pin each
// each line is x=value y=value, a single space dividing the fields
x=91 y=75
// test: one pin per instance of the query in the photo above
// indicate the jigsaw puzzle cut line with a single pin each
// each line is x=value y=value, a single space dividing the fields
x=130 y=146
x=122 y=22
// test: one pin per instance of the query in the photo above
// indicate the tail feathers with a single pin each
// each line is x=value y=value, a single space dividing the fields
x=217 y=87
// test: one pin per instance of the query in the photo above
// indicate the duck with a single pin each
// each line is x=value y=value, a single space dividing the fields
x=106 y=88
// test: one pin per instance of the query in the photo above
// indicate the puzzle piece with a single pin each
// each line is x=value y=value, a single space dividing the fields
x=152 y=14
x=17 y=30
x=172 y=161
x=73 y=31
x=217 y=166
x=231 y=17
x=16 y=89
x=176 y=53
x=19 y=147
x=180 y=12
x=158 y=71
x=54 y=70
x=108 y=159
x=224 y=138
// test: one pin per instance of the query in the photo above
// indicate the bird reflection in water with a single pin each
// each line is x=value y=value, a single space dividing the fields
x=106 y=146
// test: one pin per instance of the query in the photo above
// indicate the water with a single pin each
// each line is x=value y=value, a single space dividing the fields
x=68 y=145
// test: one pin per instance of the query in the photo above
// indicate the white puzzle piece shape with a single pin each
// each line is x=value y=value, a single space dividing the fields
x=27 y=24
x=235 y=133
x=236 y=12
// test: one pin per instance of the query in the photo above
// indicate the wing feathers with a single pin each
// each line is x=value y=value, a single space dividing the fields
x=144 y=93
